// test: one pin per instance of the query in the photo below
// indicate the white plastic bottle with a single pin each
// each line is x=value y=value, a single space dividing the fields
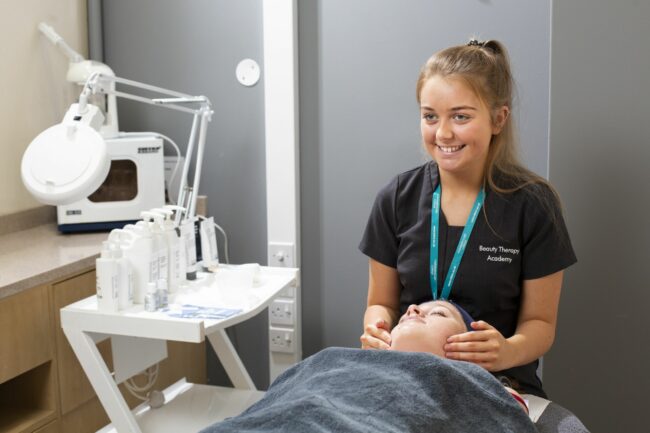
x=159 y=242
x=119 y=239
x=188 y=235
x=163 y=294
x=151 y=298
x=188 y=239
x=108 y=276
x=141 y=229
x=137 y=248
x=144 y=229
x=209 y=251
x=126 y=281
x=177 y=261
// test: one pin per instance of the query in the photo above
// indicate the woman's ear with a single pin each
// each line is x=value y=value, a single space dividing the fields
x=500 y=118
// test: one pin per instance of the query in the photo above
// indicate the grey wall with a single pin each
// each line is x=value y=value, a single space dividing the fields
x=600 y=157
x=193 y=47
x=359 y=62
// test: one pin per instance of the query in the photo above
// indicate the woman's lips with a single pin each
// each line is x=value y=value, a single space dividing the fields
x=448 y=150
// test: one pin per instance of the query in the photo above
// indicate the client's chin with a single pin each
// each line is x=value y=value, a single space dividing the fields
x=410 y=340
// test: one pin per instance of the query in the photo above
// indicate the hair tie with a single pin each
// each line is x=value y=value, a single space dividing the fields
x=488 y=45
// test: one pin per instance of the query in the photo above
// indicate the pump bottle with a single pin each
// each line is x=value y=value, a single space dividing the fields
x=177 y=261
x=188 y=237
x=126 y=281
x=159 y=242
x=209 y=252
x=108 y=276
x=137 y=249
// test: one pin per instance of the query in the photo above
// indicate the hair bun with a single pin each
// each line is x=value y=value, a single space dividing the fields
x=491 y=45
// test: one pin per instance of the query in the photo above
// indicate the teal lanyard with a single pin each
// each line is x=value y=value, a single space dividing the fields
x=460 y=249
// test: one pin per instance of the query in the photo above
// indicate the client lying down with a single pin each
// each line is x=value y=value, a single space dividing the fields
x=409 y=388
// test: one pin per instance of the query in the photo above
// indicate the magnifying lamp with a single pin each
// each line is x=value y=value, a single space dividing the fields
x=69 y=161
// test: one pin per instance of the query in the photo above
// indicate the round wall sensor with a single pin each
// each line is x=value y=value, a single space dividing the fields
x=248 y=72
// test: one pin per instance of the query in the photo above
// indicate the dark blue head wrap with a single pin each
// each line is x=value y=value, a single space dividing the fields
x=464 y=314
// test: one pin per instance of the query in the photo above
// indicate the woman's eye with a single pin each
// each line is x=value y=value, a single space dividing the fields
x=461 y=117
x=429 y=117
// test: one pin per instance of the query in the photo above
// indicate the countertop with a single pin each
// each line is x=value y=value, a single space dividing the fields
x=42 y=254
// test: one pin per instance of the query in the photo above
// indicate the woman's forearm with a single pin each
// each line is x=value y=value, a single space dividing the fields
x=377 y=312
x=535 y=331
x=532 y=340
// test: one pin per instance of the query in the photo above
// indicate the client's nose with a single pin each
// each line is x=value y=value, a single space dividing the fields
x=413 y=310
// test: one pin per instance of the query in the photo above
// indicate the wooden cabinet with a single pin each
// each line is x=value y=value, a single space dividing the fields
x=74 y=387
x=42 y=386
x=25 y=326
x=53 y=427
x=89 y=417
x=27 y=377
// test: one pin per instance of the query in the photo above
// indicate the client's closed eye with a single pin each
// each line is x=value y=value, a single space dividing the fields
x=438 y=312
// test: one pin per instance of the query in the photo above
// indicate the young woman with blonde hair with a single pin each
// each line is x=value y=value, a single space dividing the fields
x=473 y=225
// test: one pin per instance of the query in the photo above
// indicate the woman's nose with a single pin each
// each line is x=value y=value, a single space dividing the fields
x=413 y=310
x=444 y=132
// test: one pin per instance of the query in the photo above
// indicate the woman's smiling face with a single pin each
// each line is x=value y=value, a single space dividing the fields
x=426 y=327
x=456 y=125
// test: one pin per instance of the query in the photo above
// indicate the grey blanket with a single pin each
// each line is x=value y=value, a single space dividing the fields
x=355 y=391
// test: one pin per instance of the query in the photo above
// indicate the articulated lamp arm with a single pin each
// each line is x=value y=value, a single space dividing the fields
x=68 y=161
x=199 y=106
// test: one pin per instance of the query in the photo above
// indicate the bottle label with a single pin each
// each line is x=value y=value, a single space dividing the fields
x=176 y=266
x=115 y=285
x=130 y=285
x=98 y=285
x=153 y=270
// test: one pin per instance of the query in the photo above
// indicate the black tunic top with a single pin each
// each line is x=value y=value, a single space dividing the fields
x=515 y=238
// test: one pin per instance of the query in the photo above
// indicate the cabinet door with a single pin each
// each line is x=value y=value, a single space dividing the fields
x=74 y=386
x=25 y=332
x=87 y=418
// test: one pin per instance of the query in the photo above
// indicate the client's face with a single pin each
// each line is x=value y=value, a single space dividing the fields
x=426 y=327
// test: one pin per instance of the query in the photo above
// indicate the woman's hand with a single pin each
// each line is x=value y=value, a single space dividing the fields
x=532 y=338
x=376 y=336
x=485 y=347
x=383 y=306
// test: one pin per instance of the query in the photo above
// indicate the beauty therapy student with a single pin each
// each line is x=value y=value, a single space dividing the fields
x=472 y=225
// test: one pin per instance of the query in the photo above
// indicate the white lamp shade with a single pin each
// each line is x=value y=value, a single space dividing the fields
x=65 y=163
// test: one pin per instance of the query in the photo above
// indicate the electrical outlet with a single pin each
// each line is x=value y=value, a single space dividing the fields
x=281 y=340
x=282 y=312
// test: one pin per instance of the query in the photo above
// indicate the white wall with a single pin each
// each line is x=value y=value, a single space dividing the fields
x=32 y=82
